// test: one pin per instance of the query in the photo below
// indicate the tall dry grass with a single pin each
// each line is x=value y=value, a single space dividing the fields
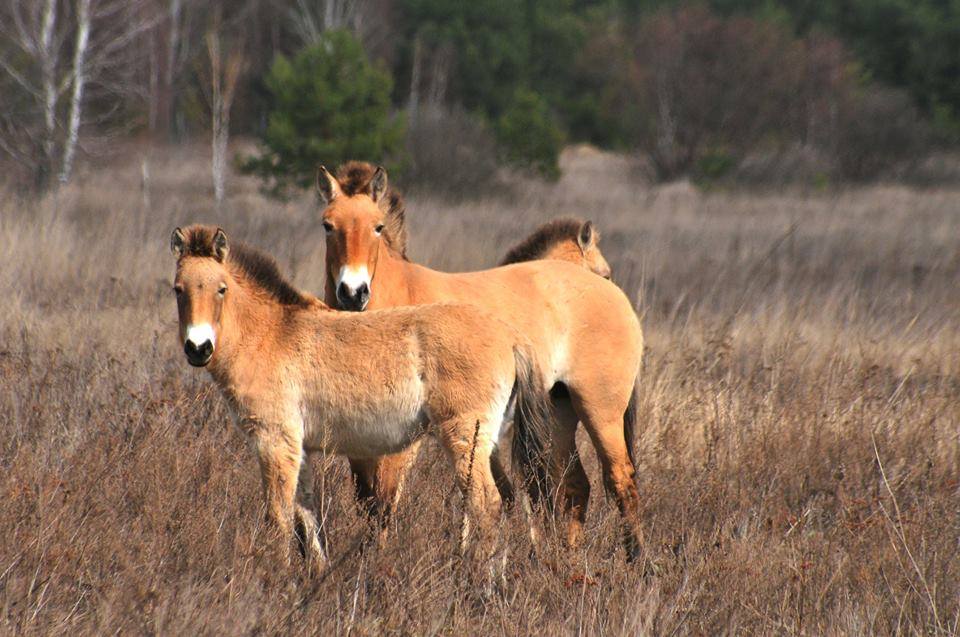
x=799 y=451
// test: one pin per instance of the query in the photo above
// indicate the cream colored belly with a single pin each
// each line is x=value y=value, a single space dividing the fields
x=365 y=429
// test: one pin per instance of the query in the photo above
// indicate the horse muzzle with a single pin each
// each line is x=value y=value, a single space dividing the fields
x=198 y=355
x=353 y=299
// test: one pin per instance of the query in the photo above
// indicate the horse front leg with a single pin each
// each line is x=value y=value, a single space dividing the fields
x=307 y=529
x=280 y=454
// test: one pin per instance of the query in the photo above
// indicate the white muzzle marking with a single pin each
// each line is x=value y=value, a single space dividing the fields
x=200 y=333
x=353 y=278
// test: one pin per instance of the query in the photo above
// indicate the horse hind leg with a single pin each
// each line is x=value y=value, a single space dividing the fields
x=605 y=424
x=567 y=469
x=500 y=475
x=378 y=484
x=470 y=444
x=502 y=480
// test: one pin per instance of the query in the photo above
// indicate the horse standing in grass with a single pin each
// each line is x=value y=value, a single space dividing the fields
x=303 y=378
x=586 y=338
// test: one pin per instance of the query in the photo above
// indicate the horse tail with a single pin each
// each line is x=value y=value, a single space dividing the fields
x=532 y=425
x=630 y=422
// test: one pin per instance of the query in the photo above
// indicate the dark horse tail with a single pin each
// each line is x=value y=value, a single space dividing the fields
x=532 y=426
x=630 y=423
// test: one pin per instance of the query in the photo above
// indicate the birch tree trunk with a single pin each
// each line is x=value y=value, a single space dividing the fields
x=48 y=70
x=413 y=105
x=79 y=80
x=166 y=49
x=329 y=19
x=54 y=62
x=223 y=85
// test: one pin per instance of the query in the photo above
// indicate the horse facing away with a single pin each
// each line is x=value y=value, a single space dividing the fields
x=301 y=378
x=586 y=339
x=563 y=239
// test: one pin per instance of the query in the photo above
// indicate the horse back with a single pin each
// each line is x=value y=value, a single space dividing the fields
x=571 y=315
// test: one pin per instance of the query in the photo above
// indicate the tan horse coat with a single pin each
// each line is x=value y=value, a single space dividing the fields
x=303 y=378
x=586 y=338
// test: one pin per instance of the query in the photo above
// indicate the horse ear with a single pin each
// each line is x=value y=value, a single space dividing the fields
x=378 y=183
x=176 y=242
x=587 y=237
x=327 y=186
x=220 y=247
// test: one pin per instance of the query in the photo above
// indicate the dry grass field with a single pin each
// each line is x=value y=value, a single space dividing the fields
x=799 y=445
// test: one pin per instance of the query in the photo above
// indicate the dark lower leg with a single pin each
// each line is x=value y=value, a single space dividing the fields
x=504 y=486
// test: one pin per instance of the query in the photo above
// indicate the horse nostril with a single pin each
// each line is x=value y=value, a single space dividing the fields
x=344 y=291
x=198 y=352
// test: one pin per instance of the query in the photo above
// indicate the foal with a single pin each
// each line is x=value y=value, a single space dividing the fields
x=302 y=378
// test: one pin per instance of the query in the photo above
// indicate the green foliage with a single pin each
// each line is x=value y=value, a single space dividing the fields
x=909 y=44
x=499 y=50
x=529 y=136
x=746 y=75
x=714 y=165
x=484 y=41
x=327 y=105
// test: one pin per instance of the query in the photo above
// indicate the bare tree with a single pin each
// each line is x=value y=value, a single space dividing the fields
x=413 y=103
x=312 y=17
x=51 y=53
x=48 y=66
x=172 y=43
x=369 y=20
x=32 y=32
x=428 y=86
x=79 y=81
x=224 y=76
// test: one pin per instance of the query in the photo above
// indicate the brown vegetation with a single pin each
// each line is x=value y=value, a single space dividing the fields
x=798 y=450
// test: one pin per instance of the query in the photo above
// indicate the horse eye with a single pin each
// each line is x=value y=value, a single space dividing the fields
x=222 y=290
x=379 y=228
x=328 y=227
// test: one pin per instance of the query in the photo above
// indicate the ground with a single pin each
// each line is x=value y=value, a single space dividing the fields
x=798 y=443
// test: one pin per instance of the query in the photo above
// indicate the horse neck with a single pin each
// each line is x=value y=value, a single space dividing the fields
x=563 y=251
x=391 y=281
x=248 y=324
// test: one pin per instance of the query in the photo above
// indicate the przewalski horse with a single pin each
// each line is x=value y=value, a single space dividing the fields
x=572 y=240
x=586 y=338
x=302 y=377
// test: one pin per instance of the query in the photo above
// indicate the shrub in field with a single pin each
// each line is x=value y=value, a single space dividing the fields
x=712 y=87
x=329 y=104
x=881 y=129
x=449 y=151
x=529 y=135
x=711 y=83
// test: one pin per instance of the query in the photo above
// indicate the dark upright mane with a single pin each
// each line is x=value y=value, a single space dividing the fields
x=262 y=269
x=255 y=265
x=354 y=179
x=543 y=238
